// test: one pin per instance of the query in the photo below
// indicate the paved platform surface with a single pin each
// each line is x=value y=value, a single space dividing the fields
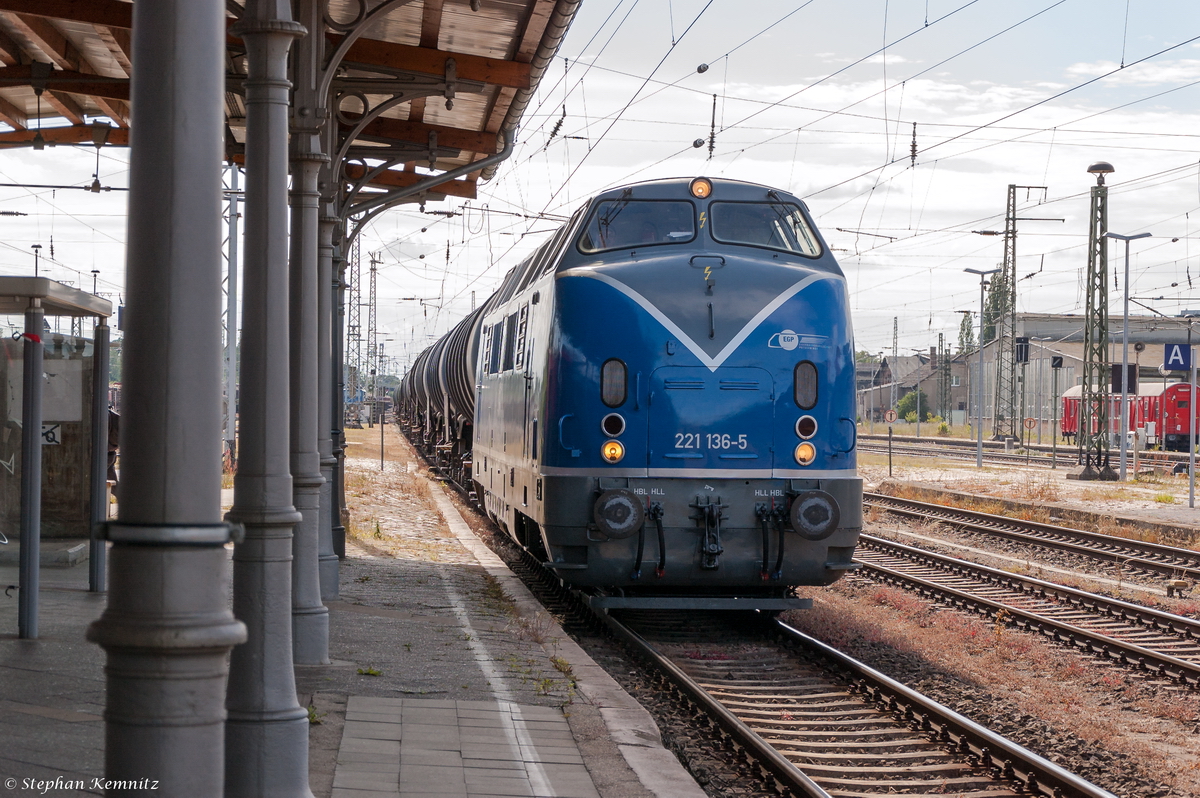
x=421 y=746
x=447 y=678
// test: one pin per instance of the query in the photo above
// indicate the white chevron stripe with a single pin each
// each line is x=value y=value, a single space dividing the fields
x=713 y=363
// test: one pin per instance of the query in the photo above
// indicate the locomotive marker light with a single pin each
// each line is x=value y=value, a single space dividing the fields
x=701 y=188
x=814 y=514
x=613 y=424
x=612 y=451
x=1125 y=351
x=806 y=427
x=618 y=513
x=806 y=453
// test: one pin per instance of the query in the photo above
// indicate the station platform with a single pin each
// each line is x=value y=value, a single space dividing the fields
x=447 y=678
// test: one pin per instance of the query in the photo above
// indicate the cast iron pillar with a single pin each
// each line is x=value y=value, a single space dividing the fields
x=98 y=499
x=310 y=618
x=326 y=421
x=339 y=391
x=267 y=732
x=29 y=563
x=167 y=629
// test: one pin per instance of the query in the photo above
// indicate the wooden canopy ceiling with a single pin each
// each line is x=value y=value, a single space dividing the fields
x=67 y=62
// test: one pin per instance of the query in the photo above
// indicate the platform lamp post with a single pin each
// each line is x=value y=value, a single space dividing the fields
x=1125 y=352
x=983 y=283
x=37 y=251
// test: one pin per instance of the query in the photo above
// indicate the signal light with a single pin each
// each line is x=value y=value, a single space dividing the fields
x=806 y=453
x=806 y=427
x=614 y=451
x=613 y=425
x=701 y=188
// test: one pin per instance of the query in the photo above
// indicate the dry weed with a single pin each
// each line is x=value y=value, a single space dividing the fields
x=1040 y=488
x=536 y=629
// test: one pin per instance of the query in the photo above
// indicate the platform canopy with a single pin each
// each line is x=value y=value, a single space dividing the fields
x=442 y=82
x=56 y=299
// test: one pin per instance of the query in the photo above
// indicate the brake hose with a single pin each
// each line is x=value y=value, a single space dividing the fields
x=779 y=561
x=763 y=514
x=656 y=512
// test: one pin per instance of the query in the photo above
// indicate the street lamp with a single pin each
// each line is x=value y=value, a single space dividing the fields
x=1125 y=351
x=979 y=403
x=37 y=251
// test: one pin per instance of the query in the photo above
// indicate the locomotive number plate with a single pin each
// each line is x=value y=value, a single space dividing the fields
x=712 y=440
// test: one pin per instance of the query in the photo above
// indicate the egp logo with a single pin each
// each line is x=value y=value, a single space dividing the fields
x=784 y=340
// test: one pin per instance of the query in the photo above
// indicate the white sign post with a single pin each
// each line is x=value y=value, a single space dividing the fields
x=1178 y=357
x=1192 y=439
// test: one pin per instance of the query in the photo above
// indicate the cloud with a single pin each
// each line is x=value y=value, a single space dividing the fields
x=891 y=59
x=1184 y=70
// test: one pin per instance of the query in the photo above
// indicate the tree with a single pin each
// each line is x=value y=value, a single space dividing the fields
x=862 y=356
x=966 y=333
x=909 y=405
x=997 y=306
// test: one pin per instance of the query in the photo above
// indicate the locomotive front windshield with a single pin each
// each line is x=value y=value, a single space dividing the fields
x=625 y=224
x=774 y=225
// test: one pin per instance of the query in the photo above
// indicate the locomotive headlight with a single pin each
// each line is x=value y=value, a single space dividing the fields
x=806 y=453
x=701 y=187
x=613 y=451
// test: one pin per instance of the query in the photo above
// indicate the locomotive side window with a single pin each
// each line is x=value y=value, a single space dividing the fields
x=774 y=225
x=614 y=380
x=496 y=339
x=510 y=341
x=625 y=224
x=522 y=327
x=804 y=387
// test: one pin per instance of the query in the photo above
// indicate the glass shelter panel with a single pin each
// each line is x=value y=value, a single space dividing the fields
x=66 y=436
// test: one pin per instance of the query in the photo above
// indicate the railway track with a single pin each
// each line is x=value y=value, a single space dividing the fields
x=827 y=725
x=1145 y=639
x=957 y=453
x=963 y=449
x=1131 y=556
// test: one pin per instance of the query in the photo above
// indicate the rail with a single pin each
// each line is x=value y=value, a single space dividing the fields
x=1141 y=657
x=1152 y=557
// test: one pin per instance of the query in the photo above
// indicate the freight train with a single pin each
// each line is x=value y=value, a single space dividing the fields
x=659 y=401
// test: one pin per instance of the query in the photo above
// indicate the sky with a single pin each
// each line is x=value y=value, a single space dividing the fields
x=818 y=97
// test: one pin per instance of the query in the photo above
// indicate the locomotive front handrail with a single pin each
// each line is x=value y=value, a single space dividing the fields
x=853 y=435
x=563 y=443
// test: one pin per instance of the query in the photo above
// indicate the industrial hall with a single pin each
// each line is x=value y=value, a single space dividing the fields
x=332 y=112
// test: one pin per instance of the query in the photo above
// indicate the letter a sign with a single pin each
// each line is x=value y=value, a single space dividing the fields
x=1177 y=357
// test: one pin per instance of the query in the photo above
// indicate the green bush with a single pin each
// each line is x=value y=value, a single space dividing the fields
x=908 y=405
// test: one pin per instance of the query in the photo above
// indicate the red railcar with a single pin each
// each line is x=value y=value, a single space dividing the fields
x=1161 y=414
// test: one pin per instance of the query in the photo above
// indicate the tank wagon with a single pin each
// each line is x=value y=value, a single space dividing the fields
x=659 y=401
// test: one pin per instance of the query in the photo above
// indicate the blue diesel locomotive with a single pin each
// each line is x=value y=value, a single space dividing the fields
x=659 y=401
